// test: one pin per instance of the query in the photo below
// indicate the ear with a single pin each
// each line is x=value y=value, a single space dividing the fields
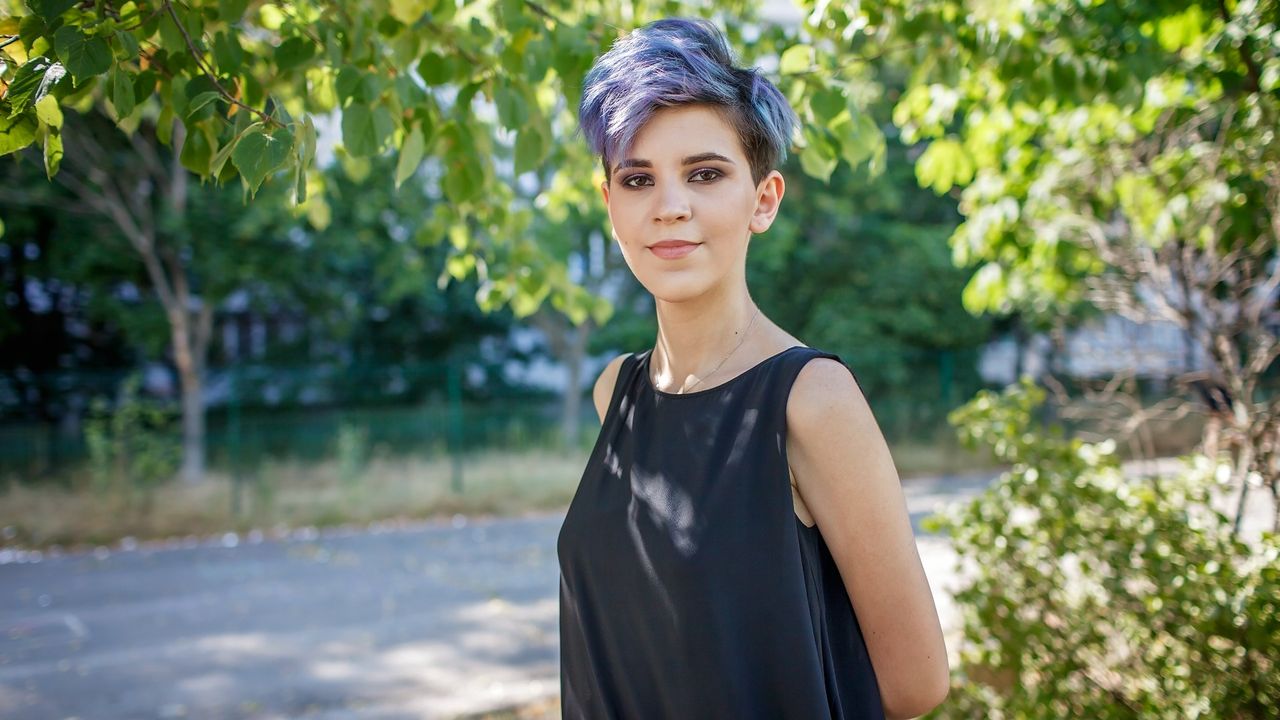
x=768 y=200
x=604 y=191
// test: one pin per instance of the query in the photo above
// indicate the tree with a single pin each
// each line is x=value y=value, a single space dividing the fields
x=1120 y=154
x=234 y=88
x=245 y=81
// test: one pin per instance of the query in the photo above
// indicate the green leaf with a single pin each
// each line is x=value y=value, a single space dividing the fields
x=364 y=131
x=409 y=92
x=52 y=149
x=17 y=132
x=513 y=110
x=349 y=86
x=199 y=101
x=173 y=39
x=224 y=153
x=356 y=87
x=859 y=138
x=32 y=81
x=435 y=69
x=197 y=150
x=251 y=90
x=827 y=103
x=405 y=48
x=293 y=52
x=463 y=181
x=411 y=153
x=49 y=112
x=230 y=11
x=126 y=46
x=32 y=28
x=943 y=165
x=818 y=158
x=122 y=92
x=459 y=266
x=196 y=89
x=227 y=52
x=50 y=10
x=795 y=59
x=306 y=149
x=164 y=125
x=84 y=57
x=144 y=84
x=462 y=103
x=408 y=11
x=530 y=148
x=259 y=154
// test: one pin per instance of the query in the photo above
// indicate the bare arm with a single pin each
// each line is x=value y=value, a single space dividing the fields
x=847 y=479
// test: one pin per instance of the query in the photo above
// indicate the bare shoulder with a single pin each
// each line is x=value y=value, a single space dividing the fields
x=603 y=390
x=825 y=392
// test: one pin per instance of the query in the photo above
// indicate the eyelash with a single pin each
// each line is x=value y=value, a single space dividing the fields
x=629 y=178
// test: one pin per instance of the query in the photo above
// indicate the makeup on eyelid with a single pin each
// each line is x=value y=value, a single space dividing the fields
x=717 y=174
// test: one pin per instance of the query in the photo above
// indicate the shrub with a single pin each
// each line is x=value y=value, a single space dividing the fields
x=1090 y=594
x=133 y=447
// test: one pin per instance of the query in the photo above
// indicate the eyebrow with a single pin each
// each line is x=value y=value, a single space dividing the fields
x=700 y=157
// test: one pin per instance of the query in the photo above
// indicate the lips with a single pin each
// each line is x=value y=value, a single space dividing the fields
x=673 y=249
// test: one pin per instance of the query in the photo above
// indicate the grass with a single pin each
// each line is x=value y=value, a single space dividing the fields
x=300 y=494
x=293 y=494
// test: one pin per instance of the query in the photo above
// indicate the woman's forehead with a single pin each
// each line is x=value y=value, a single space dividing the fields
x=684 y=135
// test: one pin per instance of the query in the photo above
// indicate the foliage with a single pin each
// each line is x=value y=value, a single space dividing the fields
x=860 y=265
x=133 y=446
x=475 y=94
x=352 y=453
x=1093 y=595
x=1078 y=128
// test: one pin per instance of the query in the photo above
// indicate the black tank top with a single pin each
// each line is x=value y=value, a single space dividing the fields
x=688 y=586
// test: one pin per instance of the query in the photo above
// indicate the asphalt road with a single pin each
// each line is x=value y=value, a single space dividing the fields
x=427 y=620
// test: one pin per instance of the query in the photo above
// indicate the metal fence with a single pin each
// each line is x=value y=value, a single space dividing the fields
x=256 y=412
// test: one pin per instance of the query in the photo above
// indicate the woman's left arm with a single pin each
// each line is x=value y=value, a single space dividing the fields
x=847 y=480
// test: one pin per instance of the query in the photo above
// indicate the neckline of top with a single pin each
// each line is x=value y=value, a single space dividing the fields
x=644 y=370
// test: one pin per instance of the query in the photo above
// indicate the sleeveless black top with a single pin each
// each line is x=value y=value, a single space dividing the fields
x=688 y=586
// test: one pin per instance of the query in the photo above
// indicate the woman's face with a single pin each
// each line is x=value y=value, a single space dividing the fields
x=687 y=178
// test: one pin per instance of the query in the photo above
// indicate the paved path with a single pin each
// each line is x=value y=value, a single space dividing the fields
x=427 y=620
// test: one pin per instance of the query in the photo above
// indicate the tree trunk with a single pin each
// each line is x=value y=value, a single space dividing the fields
x=571 y=424
x=568 y=344
x=125 y=198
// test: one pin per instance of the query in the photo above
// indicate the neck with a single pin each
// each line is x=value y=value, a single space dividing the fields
x=695 y=336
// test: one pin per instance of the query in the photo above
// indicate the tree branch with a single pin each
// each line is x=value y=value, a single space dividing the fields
x=195 y=53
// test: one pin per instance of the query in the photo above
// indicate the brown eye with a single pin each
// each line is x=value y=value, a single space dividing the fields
x=714 y=174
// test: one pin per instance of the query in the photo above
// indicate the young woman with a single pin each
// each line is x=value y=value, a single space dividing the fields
x=739 y=546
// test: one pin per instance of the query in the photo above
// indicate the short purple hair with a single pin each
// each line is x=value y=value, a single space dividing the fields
x=681 y=61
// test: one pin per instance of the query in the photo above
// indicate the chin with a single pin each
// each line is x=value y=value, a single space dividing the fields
x=676 y=290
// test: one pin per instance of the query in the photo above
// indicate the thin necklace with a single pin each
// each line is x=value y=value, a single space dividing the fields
x=726 y=357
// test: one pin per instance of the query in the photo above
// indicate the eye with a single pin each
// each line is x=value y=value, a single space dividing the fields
x=708 y=174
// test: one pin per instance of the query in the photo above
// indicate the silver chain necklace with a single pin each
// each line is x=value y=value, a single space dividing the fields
x=726 y=357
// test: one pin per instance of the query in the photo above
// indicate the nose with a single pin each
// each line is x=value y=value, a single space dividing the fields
x=673 y=203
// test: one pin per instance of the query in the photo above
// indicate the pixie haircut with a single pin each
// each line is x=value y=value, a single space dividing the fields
x=681 y=61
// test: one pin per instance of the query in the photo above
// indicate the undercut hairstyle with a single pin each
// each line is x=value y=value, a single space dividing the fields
x=681 y=61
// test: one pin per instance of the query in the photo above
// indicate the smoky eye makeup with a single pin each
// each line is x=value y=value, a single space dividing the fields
x=705 y=176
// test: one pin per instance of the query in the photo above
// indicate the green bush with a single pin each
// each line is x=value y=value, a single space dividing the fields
x=133 y=447
x=1090 y=595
